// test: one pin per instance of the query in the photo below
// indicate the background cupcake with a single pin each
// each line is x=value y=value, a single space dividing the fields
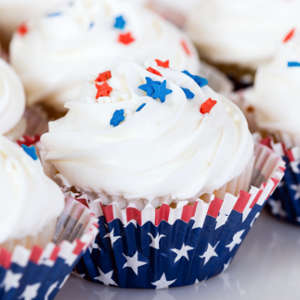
x=144 y=154
x=237 y=36
x=274 y=99
x=40 y=240
x=12 y=103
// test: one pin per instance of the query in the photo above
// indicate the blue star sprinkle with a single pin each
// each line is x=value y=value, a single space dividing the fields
x=30 y=151
x=292 y=64
x=201 y=81
x=188 y=93
x=117 y=118
x=141 y=107
x=54 y=14
x=120 y=22
x=92 y=24
x=156 y=89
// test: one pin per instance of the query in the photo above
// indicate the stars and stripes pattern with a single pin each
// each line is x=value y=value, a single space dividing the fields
x=285 y=202
x=40 y=273
x=173 y=247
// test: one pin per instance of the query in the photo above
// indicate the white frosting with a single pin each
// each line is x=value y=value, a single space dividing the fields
x=275 y=94
x=29 y=199
x=15 y=12
x=166 y=149
x=12 y=98
x=246 y=32
x=53 y=62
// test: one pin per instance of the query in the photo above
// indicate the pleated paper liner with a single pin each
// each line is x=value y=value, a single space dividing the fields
x=285 y=202
x=39 y=273
x=176 y=244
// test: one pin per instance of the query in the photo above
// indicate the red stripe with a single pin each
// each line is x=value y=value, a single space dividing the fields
x=79 y=246
x=290 y=155
x=242 y=201
x=5 y=258
x=214 y=207
x=83 y=201
x=108 y=212
x=162 y=214
x=276 y=182
x=266 y=142
x=36 y=254
x=54 y=253
x=134 y=214
x=282 y=169
x=256 y=198
x=188 y=212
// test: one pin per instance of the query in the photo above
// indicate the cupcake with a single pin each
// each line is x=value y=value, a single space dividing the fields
x=14 y=12
x=166 y=164
x=40 y=240
x=52 y=63
x=274 y=102
x=237 y=36
x=12 y=103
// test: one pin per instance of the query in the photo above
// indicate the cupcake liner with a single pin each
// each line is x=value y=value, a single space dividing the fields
x=39 y=273
x=177 y=244
x=285 y=202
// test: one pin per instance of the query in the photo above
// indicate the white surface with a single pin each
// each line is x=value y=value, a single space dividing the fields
x=266 y=267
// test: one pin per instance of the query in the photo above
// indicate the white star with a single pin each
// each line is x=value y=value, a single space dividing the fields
x=112 y=237
x=106 y=278
x=11 y=281
x=30 y=292
x=295 y=167
x=221 y=220
x=50 y=290
x=296 y=188
x=155 y=240
x=209 y=253
x=236 y=240
x=277 y=208
x=163 y=283
x=183 y=252
x=133 y=263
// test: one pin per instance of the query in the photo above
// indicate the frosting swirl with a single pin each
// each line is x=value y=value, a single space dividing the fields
x=141 y=135
x=29 y=198
x=246 y=33
x=276 y=89
x=12 y=98
x=92 y=33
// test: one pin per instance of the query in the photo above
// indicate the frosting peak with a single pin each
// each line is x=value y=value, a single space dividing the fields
x=151 y=134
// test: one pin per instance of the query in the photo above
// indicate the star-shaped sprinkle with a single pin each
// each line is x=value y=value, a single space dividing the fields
x=185 y=47
x=161 y=91
x=103 y=90
x=163 y=283
x=31 y=151
x=148 y=86
x=163 y=64
x=289 y=35
x=126 y=38
x=104 y=76
x=134 y=263
x=206 y=106
x=117 y=118
x=141 y=107
x=188 y=93
x=293 y=64
x=91 y=25
x=23 y=29
x=120 y=22
x=152 y=70
x=201 y=81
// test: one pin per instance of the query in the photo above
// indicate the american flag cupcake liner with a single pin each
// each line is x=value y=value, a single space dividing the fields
x=285 y=202
x=39 y=273
x=176 y=245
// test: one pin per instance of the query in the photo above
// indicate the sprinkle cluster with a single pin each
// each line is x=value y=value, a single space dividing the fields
x=124 y=38
x=103 y=89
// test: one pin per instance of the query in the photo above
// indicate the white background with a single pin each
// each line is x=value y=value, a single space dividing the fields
x=267 y=266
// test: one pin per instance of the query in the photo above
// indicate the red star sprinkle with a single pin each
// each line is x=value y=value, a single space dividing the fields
x=206 y=106
x=185 y=47
x=153 y=71
x=23 y=29
x=103 y=90
x=289 y=36
x=163 y=64
x=104 y=76
x=126 y=38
